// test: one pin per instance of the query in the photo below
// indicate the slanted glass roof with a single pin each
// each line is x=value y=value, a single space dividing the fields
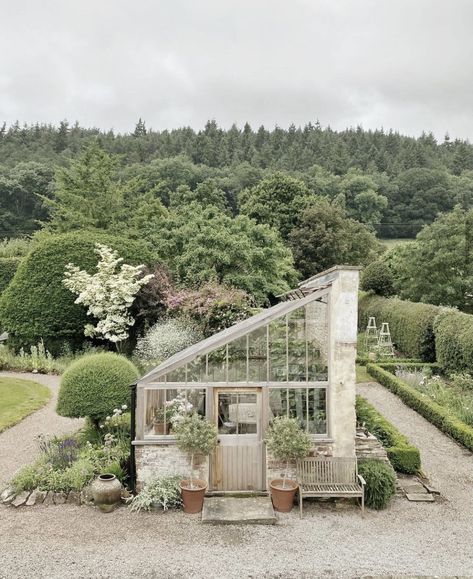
x=284 y=343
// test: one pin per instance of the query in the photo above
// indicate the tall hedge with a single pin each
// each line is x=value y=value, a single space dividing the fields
x=454 y=340
x=411 y=324
x=36 y=304
x=8 y=267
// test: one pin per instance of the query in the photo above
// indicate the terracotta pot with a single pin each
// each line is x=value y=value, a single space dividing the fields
x=106 y=492
x=283 y=498
x=193 y=498
x=161 y=428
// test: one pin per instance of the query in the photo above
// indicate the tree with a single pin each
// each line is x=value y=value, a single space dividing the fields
x=325 y=237
x=273 y=202
x=378 y=278
x=107 y=293
x=438 y=267
x=87 y=194
x=200 y=245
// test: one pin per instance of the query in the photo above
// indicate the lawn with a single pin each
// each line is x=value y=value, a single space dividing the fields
x=18 y=398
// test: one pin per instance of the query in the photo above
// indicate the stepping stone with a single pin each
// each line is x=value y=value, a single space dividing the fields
x=420 y=497
x=234 y=511
x=21 y=499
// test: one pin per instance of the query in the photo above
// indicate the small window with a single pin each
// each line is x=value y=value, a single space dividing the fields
x=165 y=406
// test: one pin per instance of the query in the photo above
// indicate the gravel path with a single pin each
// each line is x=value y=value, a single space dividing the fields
x=407 y=539
x=18 y=444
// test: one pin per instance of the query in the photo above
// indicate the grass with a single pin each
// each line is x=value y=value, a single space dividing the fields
x=362 y=375
x=19 y=398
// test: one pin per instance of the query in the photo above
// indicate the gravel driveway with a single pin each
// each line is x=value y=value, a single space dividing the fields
x=407 y=539
x=18 y=444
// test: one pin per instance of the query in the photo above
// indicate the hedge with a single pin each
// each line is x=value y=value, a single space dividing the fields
x=95 y=385
x=404 y=456
x=433 y=412
x=411 y=324
x=454 y=340
x=380 y=483
x=8 y=267
x=36 y=305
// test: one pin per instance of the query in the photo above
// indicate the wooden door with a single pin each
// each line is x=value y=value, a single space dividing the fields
x=238 y=459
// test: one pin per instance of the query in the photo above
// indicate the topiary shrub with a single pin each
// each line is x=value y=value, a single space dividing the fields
x=8 y=267
x=411 y=324
x=378 y=278
x=36 y=305
x=454 y=340
x=380 y=483
x=94 y=385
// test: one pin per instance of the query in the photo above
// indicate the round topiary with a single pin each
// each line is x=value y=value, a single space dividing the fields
x=36 y=305
x=378 y=278
x=95 y=385
x=380 y=483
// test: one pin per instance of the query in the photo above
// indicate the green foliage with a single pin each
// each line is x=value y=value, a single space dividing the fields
x=94 y=385
x=380 y=483
x=438 y=267
x=440 y=417
x=410 y=324
x=18 y=247
x=377 y=278
x=205 y=245
x=195 y=434
x=8 y=267
x=163 y=492
x=286 y=440
x=36 y=305
x=404 y=456
x=324 y=236
x=454 y=340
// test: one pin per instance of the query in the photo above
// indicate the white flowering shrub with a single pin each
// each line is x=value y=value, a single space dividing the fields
x=108 y=294
x=166 y=338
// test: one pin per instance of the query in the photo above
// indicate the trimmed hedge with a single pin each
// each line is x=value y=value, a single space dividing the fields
x=380 y=483
x=36 y=305
x=403 y=455
x=454 y=340
x=433 y=412
x=8 y=267
x=96 y=384
x=411 y=324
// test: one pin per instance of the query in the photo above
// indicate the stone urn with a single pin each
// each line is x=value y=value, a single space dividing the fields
x=106 y=492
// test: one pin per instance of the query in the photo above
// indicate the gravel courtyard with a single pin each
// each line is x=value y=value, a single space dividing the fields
x=407 y=539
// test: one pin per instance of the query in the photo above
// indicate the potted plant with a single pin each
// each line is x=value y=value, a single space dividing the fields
x=194 y=435
x=286 y=441
x=173 y=409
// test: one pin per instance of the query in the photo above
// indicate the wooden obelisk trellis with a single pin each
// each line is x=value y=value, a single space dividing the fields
x=371 y=334
x=385 y=344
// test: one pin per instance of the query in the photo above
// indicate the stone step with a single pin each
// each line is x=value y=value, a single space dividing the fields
x=237 y=511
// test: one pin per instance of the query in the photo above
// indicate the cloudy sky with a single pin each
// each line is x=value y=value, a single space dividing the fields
x=405 y=64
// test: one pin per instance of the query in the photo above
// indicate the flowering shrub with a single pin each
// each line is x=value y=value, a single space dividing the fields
x=165 y=339
x=108 y=294
x=174 y=409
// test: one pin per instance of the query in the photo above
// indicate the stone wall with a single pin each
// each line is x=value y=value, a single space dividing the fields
x=368 y=446
x=154 y=460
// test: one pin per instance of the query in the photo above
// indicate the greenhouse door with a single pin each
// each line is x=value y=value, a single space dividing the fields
x=238 y=459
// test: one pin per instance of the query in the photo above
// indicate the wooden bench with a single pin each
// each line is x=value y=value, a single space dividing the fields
x=330 y=477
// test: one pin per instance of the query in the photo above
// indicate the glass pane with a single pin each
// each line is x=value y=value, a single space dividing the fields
x=257 y=354
x=177 y=375
x=164 y=407
x=317 y=337
x=196 y=370
x=297 y=345
x=237 y=413
x=217 y=365
x=277 y=351
x=307 y=405
x=317 y=411
x=237 y=360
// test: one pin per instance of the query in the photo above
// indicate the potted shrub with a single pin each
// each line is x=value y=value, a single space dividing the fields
x=172 y=410
x=287 y=442
x=194 y=435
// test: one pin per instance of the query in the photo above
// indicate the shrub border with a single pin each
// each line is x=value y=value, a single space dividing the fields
x=421 y=403
x=404 y=456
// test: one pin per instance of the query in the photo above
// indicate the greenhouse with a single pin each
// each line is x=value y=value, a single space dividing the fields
x=294 y=359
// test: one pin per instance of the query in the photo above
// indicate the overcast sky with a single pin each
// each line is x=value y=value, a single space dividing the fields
x=405 y=64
